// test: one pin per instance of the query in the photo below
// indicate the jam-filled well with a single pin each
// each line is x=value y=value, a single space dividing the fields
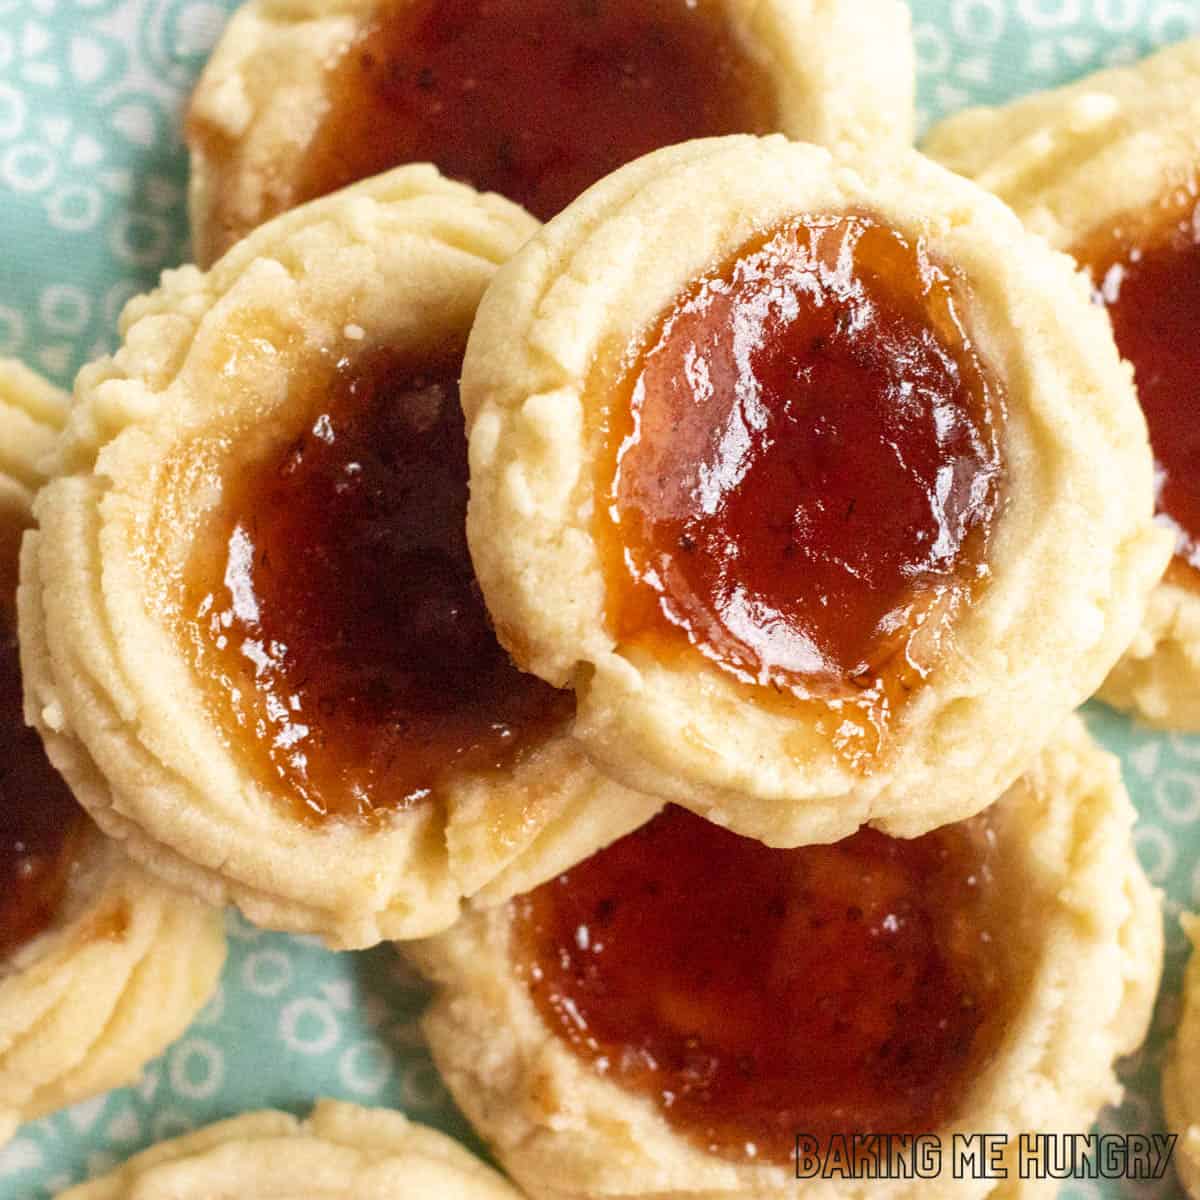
x=754 y=993
x=334 y=610
x=534 y=99
x=40 y=821
x=1147 y=272
x=804 y=463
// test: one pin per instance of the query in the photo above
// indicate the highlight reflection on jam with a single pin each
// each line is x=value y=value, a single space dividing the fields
x=535 y=99
x=40 y=820
x=346 y=633
x=804 y=462
x=753 y=992
x=1147 y=272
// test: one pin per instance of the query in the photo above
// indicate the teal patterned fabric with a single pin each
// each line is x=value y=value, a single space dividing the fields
x=92 y=185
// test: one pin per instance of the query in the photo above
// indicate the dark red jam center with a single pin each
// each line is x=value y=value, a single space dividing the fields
x=1147 y=272
x=804 y=462
x=756 y=993
x=336 y=613
x=40 y=821
x=535 y=99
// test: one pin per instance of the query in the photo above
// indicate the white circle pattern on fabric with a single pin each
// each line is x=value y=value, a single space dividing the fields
x=309 y=1026
x=267 y=972
x=197 y=1068
x=366 y=1067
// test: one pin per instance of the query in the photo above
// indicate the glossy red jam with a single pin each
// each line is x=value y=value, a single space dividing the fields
x=754 y=994
x=1147 y=272
x=535 y=99
x=337 y=619
x=40 y=821
x=804 y=463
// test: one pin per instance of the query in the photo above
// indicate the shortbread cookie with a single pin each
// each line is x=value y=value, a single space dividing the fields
x=100 y=966
x=667 y=1018
x=115 y=974
x=1181 y=1073
x=535 y=99
x=266 y=666
x=1109 y=169
x=831 y=510
x=32 y=412
x=341 y=1152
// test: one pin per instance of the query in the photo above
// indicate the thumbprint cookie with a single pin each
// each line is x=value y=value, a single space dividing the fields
x=1181 y=1073
x=692 y=1013
x=101 y=966
x=1108 y=169
x=820 y=480
x=535 y=99
x=267 y=666
x=341 y=1152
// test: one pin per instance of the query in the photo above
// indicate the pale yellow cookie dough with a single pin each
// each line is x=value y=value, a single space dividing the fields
x=1071 y=162
x=114 y=981
x=1181 y=1072
x=32 y=412
x=1081 y=909
x=206 y=368
x=125 y=963
x=341 y=1152
x=1073 y=552
x=842 y=70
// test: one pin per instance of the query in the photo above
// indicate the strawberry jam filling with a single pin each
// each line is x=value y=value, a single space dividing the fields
x=754 y=994
x=336 y=619
x=804 y=465
x=534 y=99
x=1147 y=273
x=40 y=821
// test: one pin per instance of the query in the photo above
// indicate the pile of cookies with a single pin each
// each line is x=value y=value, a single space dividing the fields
x=666 y=622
